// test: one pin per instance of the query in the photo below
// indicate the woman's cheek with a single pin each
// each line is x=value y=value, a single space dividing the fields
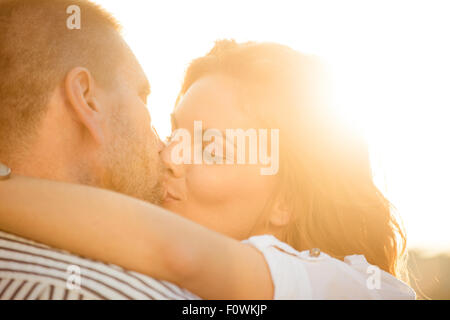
x=212 y=184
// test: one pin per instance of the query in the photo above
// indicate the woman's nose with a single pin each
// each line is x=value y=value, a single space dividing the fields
x=175 y=170
x=159 y=143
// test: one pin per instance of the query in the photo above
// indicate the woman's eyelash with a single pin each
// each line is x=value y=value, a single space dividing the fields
x=226 y=154
x=172 y=135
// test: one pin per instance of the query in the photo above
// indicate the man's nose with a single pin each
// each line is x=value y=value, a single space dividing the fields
x=174 y=169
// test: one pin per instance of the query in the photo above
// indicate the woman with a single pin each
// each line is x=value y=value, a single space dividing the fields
x=247 y=235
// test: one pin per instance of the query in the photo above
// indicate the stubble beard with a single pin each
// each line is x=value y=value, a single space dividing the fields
x=135 y=169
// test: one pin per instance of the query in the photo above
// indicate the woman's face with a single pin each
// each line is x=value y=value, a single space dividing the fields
x=228 y=198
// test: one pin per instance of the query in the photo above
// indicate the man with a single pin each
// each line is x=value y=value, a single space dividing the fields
x=73 y=108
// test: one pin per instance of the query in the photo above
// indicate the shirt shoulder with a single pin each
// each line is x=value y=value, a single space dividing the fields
x=24 y=264
x=316 y=275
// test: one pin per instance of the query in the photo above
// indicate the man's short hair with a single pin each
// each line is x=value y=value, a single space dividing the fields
x=37 y=49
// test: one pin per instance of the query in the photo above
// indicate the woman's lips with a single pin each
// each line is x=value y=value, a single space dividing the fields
x=175 y=190
x=170 y=197
x=173 y=194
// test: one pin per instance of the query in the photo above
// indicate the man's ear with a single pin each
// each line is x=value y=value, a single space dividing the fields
x=80 y=91
x=280 y=214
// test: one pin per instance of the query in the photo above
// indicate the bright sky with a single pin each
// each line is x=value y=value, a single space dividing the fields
x=392 y=66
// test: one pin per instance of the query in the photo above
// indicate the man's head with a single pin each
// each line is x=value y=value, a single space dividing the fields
x=73 y=101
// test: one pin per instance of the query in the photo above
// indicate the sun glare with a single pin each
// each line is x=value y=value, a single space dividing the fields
x=392 y=76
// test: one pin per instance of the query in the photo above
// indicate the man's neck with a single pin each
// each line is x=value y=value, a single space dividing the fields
x=47 y=165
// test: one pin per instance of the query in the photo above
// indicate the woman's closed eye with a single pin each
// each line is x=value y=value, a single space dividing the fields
x=170 y=139
x=214 y=151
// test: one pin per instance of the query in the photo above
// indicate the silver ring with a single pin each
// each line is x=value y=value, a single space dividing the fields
x=5 y=172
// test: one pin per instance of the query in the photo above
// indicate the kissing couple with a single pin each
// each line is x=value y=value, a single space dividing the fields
x=93 y=189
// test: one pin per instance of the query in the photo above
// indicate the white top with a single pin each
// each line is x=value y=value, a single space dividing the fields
x=298 y=275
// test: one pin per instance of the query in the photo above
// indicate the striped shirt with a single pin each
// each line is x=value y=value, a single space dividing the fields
x=33 y=271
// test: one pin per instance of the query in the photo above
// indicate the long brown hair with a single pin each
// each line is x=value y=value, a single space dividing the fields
x=325 y=176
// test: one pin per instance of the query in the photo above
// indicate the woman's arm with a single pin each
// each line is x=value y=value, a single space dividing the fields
x=134 y=234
